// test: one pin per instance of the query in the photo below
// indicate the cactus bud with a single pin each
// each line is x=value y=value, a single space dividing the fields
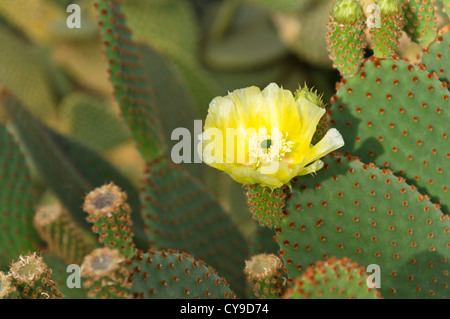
x=33 y=278
x=105 y=276
x=5 y=286
x=310 y=95
x=345 y=36
x=264 y=274
x=347 y=12
x=385 y=36
x=111 y=216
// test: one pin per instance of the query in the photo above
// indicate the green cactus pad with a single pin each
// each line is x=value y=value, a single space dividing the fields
x=355 y=210
x=385 y=38
x=286 y=6
x=396 y=115
x=70 y=169
x=420 y=23
x=170 y=274
x=90 y=121
x=110 y=213
x=437 y=55
x=180 y=213
x=6 y=287
x=332 y=279
x=131 y=85
x=265 y=205
x=345 y=36
x=63 y=237
x=105 y=275
x=170 y=27
x=16 y=206
x=262 y=241
x=18 y=58
x=61 y=276
x=265 y=275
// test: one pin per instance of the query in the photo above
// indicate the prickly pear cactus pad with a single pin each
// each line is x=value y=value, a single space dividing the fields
x=396 y=115
x=16 y=203
x=332 y=279
x=371 y=216
x=172 y=274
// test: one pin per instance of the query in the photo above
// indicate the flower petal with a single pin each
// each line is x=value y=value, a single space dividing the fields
x=310 y=115
x=310 y=168
x=330 y=142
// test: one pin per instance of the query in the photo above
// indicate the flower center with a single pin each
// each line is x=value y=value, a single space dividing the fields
x=265 y=148
x=266 y=144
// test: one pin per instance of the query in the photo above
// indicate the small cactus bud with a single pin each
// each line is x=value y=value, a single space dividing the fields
x=386 y=35
x=345 y=36
x=311 y=95
x=105 y=275
x=5 y=285
x=347 y=12
x=264 y=274
x=33 y=278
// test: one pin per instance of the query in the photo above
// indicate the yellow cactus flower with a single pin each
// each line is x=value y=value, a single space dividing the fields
x=264 y=137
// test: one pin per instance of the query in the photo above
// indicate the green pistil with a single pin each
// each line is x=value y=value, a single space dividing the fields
x=266 y=144
x=347 y=12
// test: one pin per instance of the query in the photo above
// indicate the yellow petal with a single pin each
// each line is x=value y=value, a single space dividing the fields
x=310 y=115
x=330 y=142
x=310 y=168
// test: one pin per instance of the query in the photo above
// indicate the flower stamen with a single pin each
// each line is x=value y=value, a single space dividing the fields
x=265 y=148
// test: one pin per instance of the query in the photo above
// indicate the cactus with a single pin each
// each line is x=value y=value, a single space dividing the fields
x=170 y=28
x=16 y=205
x=265 y=205
x=420 y=22
x=435 y=54
x=18 y=58
x=127 y=75
x=31 y=276
x=371 y=216
x=105 y=274
x=110 y=213
x=89 y=121
x=171 y=274
x=287 y=6
x=397 y=121
x=70 y=169
x=346 y=36
x=385 y=36
x=332 y=279
x=63 y=237
x=304 y=31
x=179 y=213
x=6 y=289
x=264 y=273
x=167 y=235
